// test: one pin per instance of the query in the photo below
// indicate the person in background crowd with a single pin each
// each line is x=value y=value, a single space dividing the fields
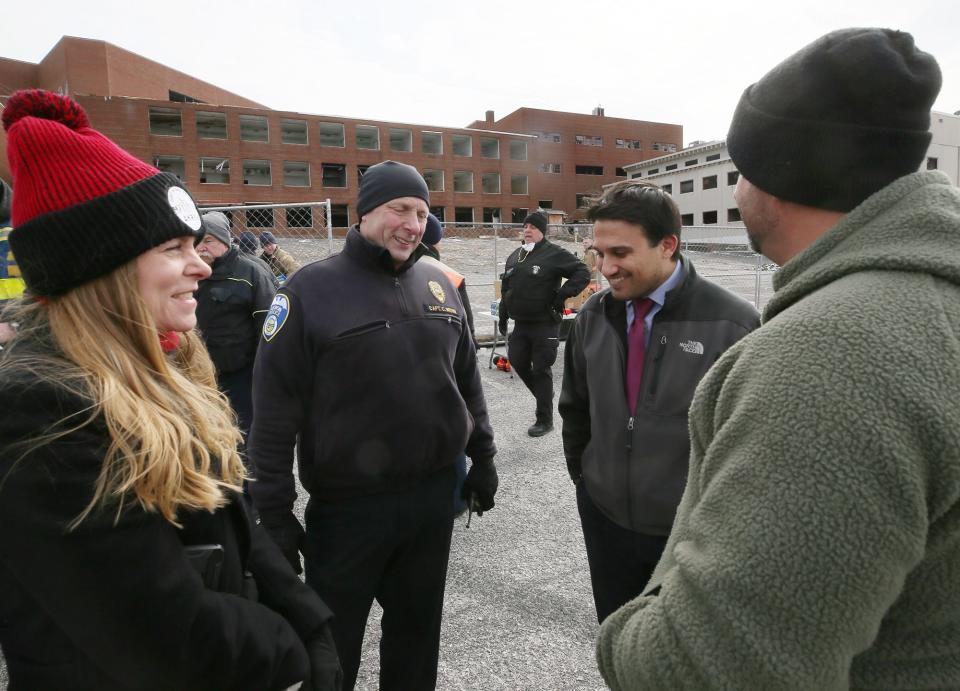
x=280 y=262
x=533 y=297
x=128 y=557
x=232 y=304
x=368 y=367
x=248 y=243
x=817 y=544
x=633 y=359
x=11 y=283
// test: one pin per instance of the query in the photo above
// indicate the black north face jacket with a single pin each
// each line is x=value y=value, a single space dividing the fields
x=636 y=467
x=531 y=282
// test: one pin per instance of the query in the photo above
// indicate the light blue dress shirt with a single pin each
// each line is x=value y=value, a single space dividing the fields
x=658 y=296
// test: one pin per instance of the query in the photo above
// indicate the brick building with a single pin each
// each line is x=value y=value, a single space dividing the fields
x=228 y=149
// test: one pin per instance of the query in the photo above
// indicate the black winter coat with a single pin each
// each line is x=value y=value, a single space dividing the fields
x=231 y=306
x=531 y=282
x=108 y=607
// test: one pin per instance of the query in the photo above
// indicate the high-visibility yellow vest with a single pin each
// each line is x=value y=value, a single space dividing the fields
x=11 y=284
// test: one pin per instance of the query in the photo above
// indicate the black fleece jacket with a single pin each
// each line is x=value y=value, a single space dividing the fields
x=372 y=371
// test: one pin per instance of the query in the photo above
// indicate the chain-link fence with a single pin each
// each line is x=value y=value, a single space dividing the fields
x=479 y=250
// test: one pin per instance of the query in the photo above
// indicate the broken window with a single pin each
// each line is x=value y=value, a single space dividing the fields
x=463 y=214
x=171 y=164
x=293 y=131
x=462 y=145
x=589 y=170
x=259 y=218
x=517 y=215
x=491 y=214
x=165 y=122
x=211 y=125
x=334 y=174
x=368 y=137
x=400 y=139
x=332 y=134
x=462 y=181
x=588 y=140
x=256 y=172
x=299 y=216
x=254 y=128
x=215 y=171
x=431 y=142
x=296 y=173
x=549 y=168
x=434 y=180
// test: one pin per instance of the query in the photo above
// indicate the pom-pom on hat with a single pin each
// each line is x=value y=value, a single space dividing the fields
x=387 y=181
x=83 y=206
x=838 y=120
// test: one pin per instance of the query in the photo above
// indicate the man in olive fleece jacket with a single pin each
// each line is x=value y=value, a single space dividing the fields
x=817 y=544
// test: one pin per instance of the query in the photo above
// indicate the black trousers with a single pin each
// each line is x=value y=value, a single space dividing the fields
x=621 y=561
x=238 y=387
x=532 y=351
x=393 y=547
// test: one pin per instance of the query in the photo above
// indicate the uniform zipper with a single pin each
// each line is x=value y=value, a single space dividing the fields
x=400 y=299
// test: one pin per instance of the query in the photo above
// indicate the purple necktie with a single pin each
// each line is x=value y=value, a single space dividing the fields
x=636 y=350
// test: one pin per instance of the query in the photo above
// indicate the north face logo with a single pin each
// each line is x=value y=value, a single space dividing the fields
x=694 y=347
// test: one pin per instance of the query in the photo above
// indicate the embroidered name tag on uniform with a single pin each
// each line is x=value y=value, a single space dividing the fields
x=276 y=317
x=439 y=309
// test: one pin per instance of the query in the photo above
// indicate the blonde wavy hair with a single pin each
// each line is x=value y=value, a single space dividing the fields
x=173 y=437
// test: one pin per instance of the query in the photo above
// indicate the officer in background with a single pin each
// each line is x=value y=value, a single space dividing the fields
x=231 y=306
x=533 y=297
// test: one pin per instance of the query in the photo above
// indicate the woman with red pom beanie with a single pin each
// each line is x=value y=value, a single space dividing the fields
x=129 y=558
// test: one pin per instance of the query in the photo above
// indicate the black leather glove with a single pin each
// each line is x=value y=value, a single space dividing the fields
x=480 y=485
x=502 y=325
x=558 y=303
x=325 y=671
x=287 y=532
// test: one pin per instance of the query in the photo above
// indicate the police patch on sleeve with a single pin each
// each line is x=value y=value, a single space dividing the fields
x=276 y=317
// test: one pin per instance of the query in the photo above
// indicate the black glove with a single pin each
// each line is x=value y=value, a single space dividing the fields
x=558 y=302
x=502 y=325
x=325 y=671
x=287 y=532
x=480 y=485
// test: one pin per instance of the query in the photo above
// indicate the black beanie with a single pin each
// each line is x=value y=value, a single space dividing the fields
x=537 y=220
x=386 y=181
x=838 y=120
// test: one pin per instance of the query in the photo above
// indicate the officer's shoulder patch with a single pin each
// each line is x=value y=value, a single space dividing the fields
x=277 y=316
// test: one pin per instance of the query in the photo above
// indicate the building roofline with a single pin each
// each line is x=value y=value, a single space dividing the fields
x=682 y=153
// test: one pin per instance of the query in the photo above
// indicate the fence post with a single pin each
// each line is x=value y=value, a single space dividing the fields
x=329 y=228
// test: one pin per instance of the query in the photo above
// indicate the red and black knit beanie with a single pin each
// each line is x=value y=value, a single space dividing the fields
x=82 y=206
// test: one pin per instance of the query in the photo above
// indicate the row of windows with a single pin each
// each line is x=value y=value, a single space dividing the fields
x=167 y=122
x=488 y=214
x=709 y=218
x=215 y=170
x=707 y=182
x=686 y=164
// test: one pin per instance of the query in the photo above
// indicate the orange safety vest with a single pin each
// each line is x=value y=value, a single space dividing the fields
x=455 y=278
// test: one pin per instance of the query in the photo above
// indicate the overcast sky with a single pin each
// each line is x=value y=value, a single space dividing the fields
x=440 y=63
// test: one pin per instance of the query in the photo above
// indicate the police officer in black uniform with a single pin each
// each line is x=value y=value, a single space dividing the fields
x=368 y=366
x=533 y=297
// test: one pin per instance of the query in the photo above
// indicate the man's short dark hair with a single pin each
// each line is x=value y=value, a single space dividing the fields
x=640 y=203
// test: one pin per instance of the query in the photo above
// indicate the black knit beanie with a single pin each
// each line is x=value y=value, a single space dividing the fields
x=537 y=220
x=838 y=120
x=386 y=181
